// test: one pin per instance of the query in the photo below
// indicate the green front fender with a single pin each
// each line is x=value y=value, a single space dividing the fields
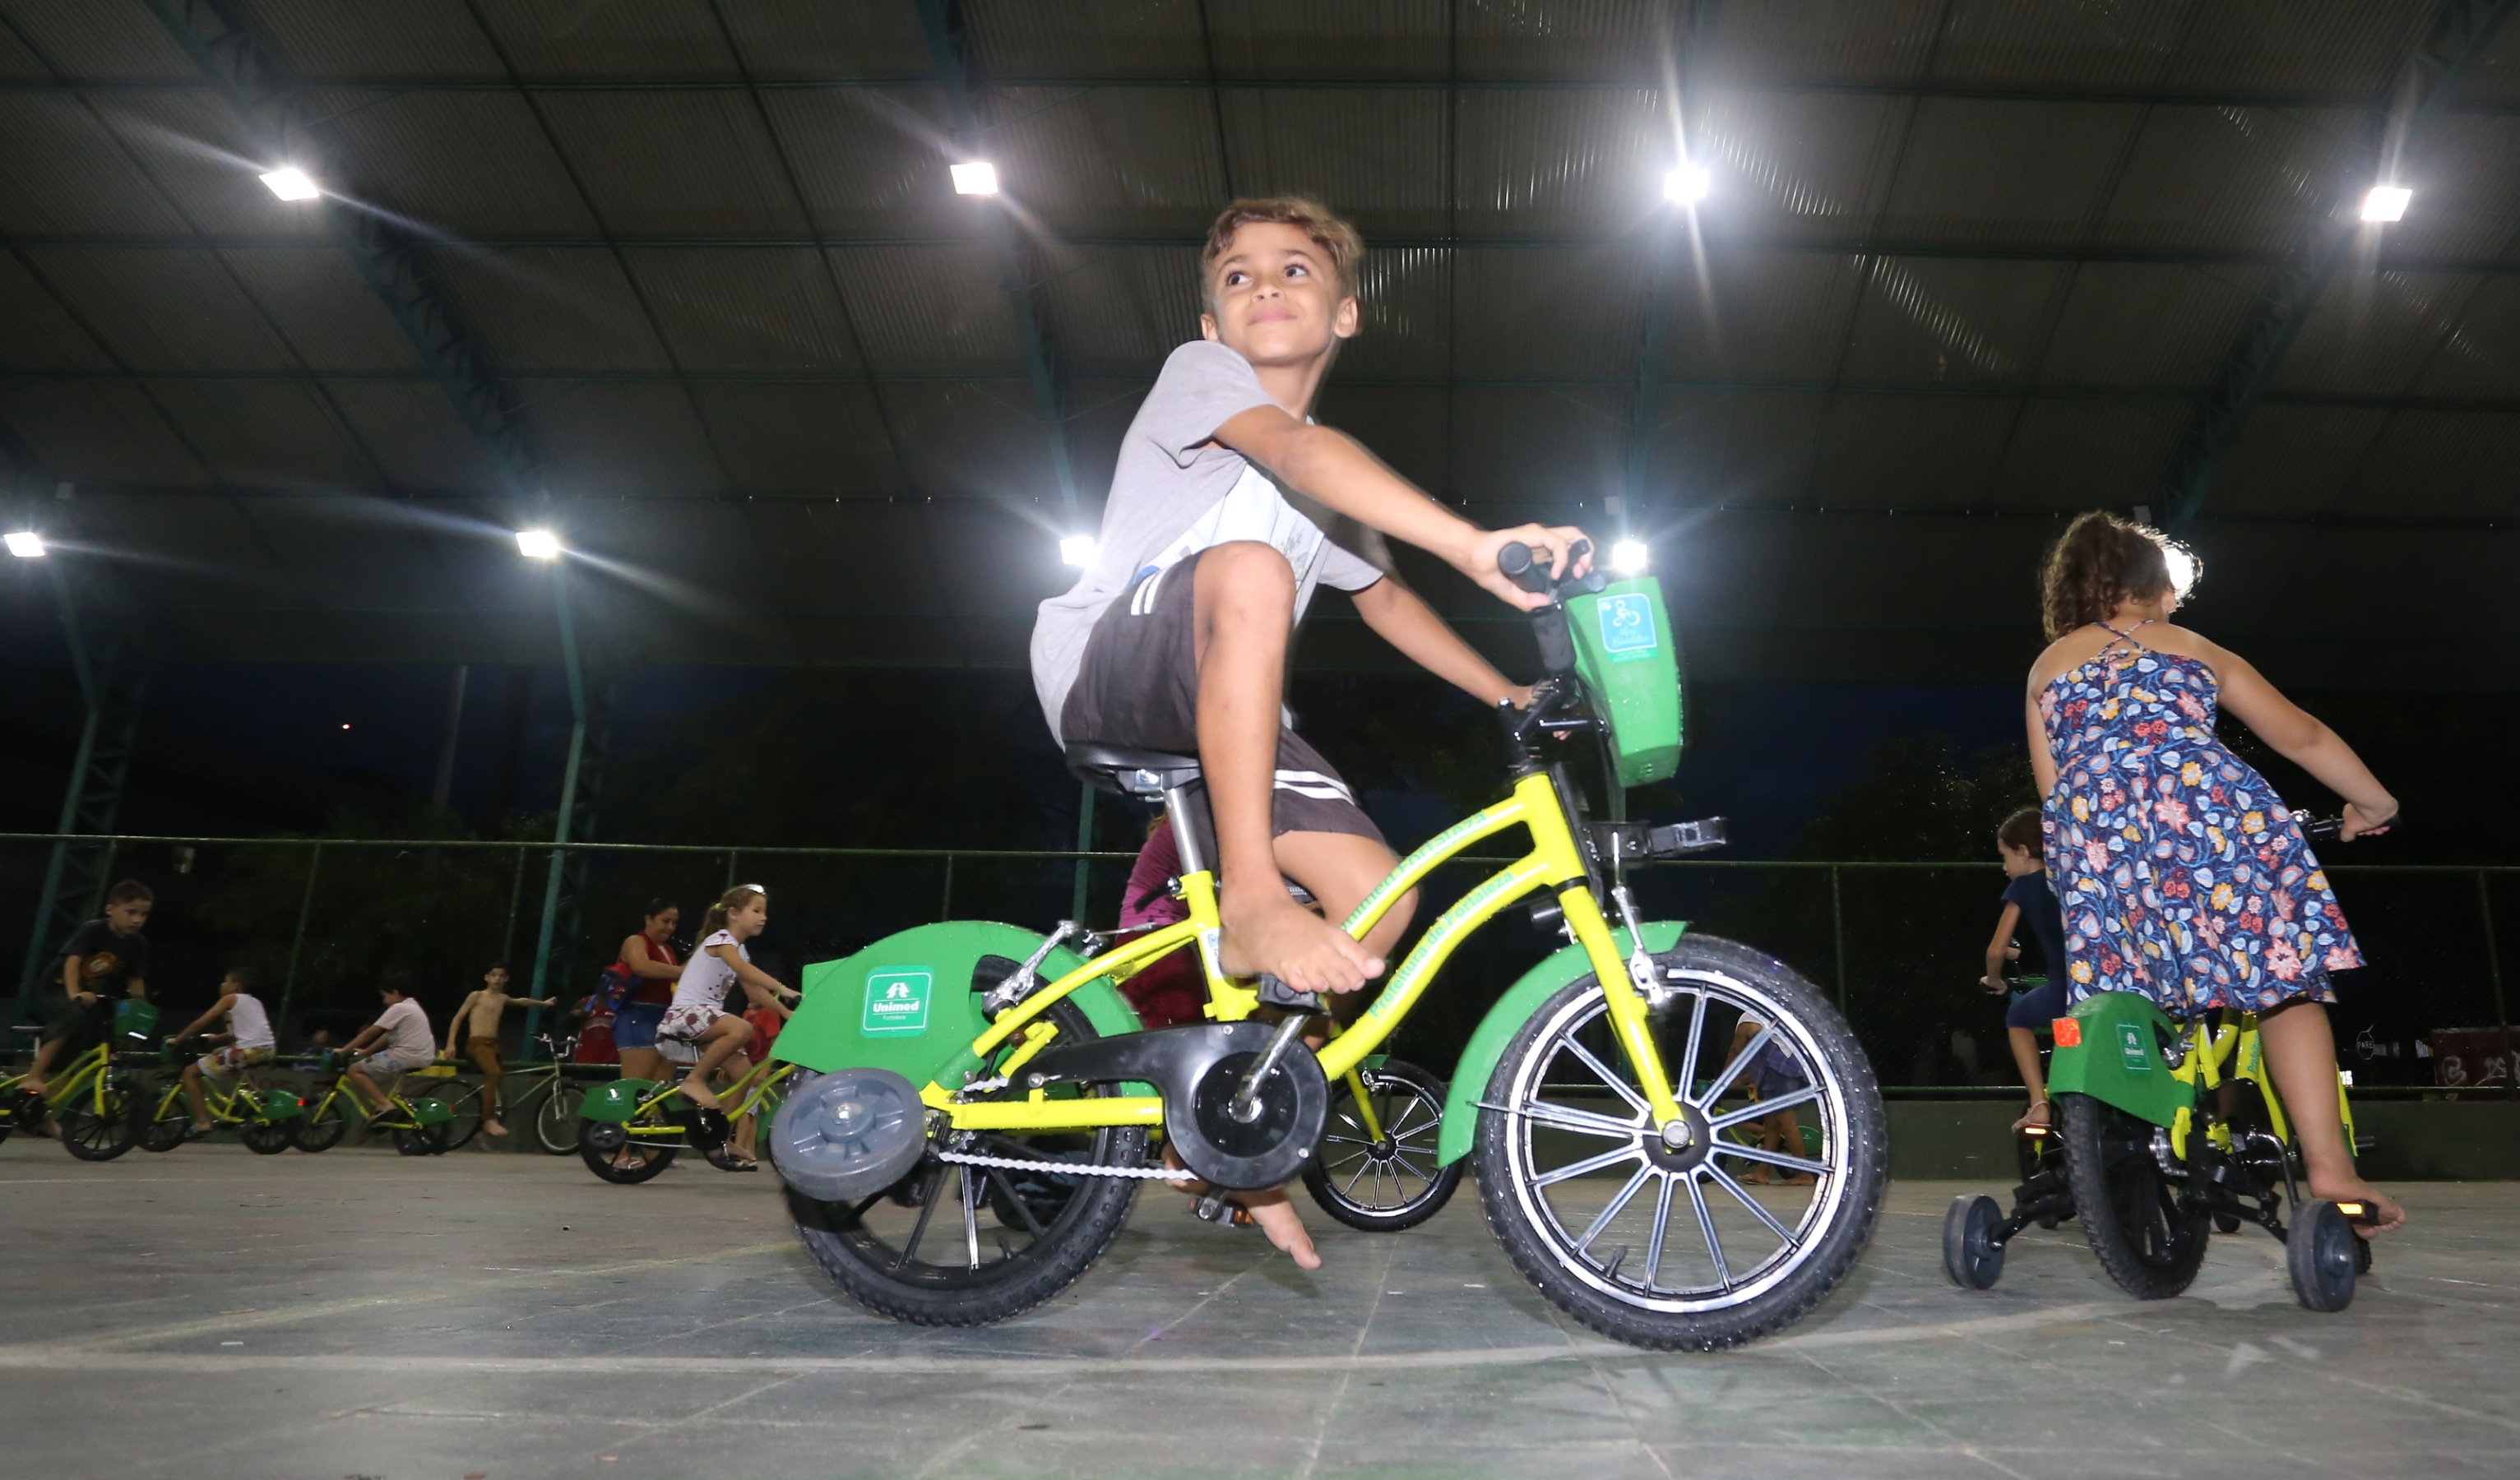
x=2117 y=1058
x=1478 y=1062
x=615 y=1101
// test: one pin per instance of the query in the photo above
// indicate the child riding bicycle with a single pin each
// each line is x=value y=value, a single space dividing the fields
x=2027 y=900
x=247 y=1041
x=1228 y=507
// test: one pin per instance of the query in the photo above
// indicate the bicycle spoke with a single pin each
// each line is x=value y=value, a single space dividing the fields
x=1777 y=1159
x=1706 y=1226
x=1742 y=1195
x=1032 y=1224
x=1741 y=1064
x=972 y=1217
x=935 y=1188
x=1582 y=1122
x=1760 y=1107
x=1689 y=1052
x=1422 y=1176
x=1608 y=1158
x=1618 y=1085
x=1653 y=1245
x=1349 y=1192
x=1615 y=1206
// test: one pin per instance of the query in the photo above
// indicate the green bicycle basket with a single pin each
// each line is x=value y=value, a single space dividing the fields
x=1628 y=658
x=134 y=1019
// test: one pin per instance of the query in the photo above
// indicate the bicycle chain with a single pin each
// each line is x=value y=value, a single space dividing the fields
x=1066 y=1168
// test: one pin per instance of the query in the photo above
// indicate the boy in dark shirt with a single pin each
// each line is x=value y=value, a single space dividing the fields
x=108 y=953
x=2027 y=900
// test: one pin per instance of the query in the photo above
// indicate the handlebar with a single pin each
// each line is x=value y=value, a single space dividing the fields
x=2327 y=830
x=1515 y=563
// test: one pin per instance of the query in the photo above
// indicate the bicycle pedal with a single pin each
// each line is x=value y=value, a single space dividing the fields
x=1214 y=1208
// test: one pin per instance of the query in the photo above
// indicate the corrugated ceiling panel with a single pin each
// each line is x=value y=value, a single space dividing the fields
x=1120 y=310
x=2439 y=464
x=2237 y=178
x=2468 y=191
x=36 y=331
x=466 y=163
x=2074 y=455
x=408 y=38
x=1741 y=447
x=1760 y=316
x=551 y=308
x=2139 y=324
x=1114 y=160
x=2373 y=332
x=1823 y=42
x=1547 y=162
x=267 y=436
x=2029 y=42
x=2482 y=354
x=324 y=308
x=1797 y=164
x=1909 y=452
x=2495 y=78
x=100 y=433
x=1572 y=312
x=675 y=161
x=1091 y=38
x=817 y=38
x=1406 y=303
x=1563 y=39
x=2006 y=172
x=197 y=154
x=1368 y=38
x=162 y=309
x=603 y=439
x=803 y=440
x=2292 y=460
x=16 y=62
x=412 y=429
x=366 y=555
x=219 y=552
x=617 y=38
x=975 y=441
x=61 y=173
x=871 y=162
x=929 y=310
x=1941 y=321
x=1562 y=448
x=1375 y=156
x=747 y=308
x=101 y=38
x=2344 y=46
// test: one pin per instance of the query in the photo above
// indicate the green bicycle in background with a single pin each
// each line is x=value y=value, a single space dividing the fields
x=629 y=1130
x=420 y=1127
x=262 y=1118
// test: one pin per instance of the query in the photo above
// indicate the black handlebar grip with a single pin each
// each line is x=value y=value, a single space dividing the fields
x=1515 y=561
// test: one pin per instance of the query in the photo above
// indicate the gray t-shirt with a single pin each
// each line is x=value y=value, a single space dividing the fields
x=1175 y=493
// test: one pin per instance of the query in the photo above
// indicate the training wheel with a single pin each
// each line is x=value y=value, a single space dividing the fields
x=849 y=1134
x=1970 y=1254
x=2319 y=1251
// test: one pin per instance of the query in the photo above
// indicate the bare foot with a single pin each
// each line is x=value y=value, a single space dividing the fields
x=1272 y=933
x=494 y=1127
x=700 y=1095
x=201 y=1128
x=2037 y=1116
x=31 y=1085
x=2385 y=1209
x=1278 y=1218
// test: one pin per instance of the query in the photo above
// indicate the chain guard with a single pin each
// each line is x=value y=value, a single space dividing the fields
x=849 y=1134
x=1198 y=1068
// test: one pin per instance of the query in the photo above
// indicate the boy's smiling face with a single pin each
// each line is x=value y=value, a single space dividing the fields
x=1275 y=298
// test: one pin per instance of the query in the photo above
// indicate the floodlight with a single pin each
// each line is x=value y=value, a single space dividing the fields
x=538 y=544
x=290 y=183
x=25 y=544
x=2183 y=567
x=2386 y=203
x=1630 y=557
x=1079 y=550
x=978 y=178
x=1688 y=184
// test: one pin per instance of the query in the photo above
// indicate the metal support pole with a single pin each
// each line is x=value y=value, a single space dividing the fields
x=567 y=792
x=729 y=868
x=297 y=941
x=1084 y=843
x=516 y=897
x=945 y=904
x=2494 y=974
x=1837 y=929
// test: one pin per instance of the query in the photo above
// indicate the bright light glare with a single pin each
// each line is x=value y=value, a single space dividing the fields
x=1688 y=185
x=25 y=544
x=978 y=178
x=2183 y=568
x=2386 y=203
x=538 y=544
x=290 y=183
x=1630 y=557
x=1079 y=550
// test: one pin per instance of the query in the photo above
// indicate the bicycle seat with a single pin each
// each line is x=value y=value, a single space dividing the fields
x=1130 y=770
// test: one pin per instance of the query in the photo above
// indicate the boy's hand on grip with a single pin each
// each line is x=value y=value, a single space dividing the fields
x=1548 y=544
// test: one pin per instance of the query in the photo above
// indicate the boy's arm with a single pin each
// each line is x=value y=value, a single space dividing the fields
x=1998 y=947
x=1333 y=467
x=216 y=1008
x=1402 y=618
x=74 y=977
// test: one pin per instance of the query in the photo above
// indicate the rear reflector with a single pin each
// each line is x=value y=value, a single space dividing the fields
x=2068 y=1031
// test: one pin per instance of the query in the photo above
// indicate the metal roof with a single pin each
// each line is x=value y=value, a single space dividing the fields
x=1969 y=266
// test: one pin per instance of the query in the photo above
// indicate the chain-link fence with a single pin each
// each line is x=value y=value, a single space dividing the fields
x=1900 y=946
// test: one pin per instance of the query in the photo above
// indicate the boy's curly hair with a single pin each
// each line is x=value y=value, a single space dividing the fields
x=1336 y=239
x=2098 y=561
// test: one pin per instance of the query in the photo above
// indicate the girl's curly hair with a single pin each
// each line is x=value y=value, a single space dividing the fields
x=2098 y=561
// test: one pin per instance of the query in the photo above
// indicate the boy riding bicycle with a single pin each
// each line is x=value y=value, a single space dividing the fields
x=1228 y=507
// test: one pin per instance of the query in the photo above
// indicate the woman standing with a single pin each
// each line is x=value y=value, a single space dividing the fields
x=2180 y=874
x=647 y=969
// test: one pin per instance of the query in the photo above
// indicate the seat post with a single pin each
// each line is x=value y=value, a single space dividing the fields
x=1178 y=809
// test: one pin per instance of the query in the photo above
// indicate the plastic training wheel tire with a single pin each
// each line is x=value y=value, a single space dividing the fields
x=1385 y=1186
x=1660 y=1244
x=2319 y=1251
x=92 y=1132
x=2144 y=1237
x=602 y=1145
x=1973 y=1259
x=925 y=1258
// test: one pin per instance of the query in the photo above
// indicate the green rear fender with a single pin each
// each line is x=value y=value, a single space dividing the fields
x=1478 y=1062
x=2118 y=1059
x=906 y=1002
x=617 y=1101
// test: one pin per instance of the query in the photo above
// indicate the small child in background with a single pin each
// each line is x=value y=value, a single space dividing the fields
x=2026 y=899
x=1772 y=1075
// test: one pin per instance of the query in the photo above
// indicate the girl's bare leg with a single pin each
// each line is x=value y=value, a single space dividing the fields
x=736 y=1066
x=2301 y=1055
x=2025 y=1058
x=725 y=1038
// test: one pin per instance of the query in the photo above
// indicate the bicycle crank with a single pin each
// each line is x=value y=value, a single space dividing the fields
x=1203 y=1071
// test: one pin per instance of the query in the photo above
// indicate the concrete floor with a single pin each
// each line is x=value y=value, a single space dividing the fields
x=357 y=1315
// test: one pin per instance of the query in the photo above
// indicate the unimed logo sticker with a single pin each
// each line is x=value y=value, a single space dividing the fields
x=896 y=1002
x=2132 y=1048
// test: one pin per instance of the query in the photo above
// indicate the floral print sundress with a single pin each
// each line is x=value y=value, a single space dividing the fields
x=2182 y=874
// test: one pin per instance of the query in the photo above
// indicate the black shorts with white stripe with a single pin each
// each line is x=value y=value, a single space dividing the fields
x=1138 y=686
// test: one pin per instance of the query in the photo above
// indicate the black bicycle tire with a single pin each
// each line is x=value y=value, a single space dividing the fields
x=1321 y=1181
x=1079 y=1237
x=1835 y=1247
x=599 y=1160
x=164 y=1131
x=467 y=1111
x=121 y=1120
x=266 y=1138
x=559 y=1108
x=2086 y=1125
x=307 y=1133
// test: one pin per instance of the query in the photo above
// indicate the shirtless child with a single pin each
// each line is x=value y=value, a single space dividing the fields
x=475 y=1025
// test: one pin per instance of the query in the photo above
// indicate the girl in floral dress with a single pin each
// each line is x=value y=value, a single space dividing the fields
x=2180 y=873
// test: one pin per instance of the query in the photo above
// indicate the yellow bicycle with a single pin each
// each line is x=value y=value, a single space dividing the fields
x=629 y=1130
x=262 y=1118
x=970 y=1068
x=95 y=1100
